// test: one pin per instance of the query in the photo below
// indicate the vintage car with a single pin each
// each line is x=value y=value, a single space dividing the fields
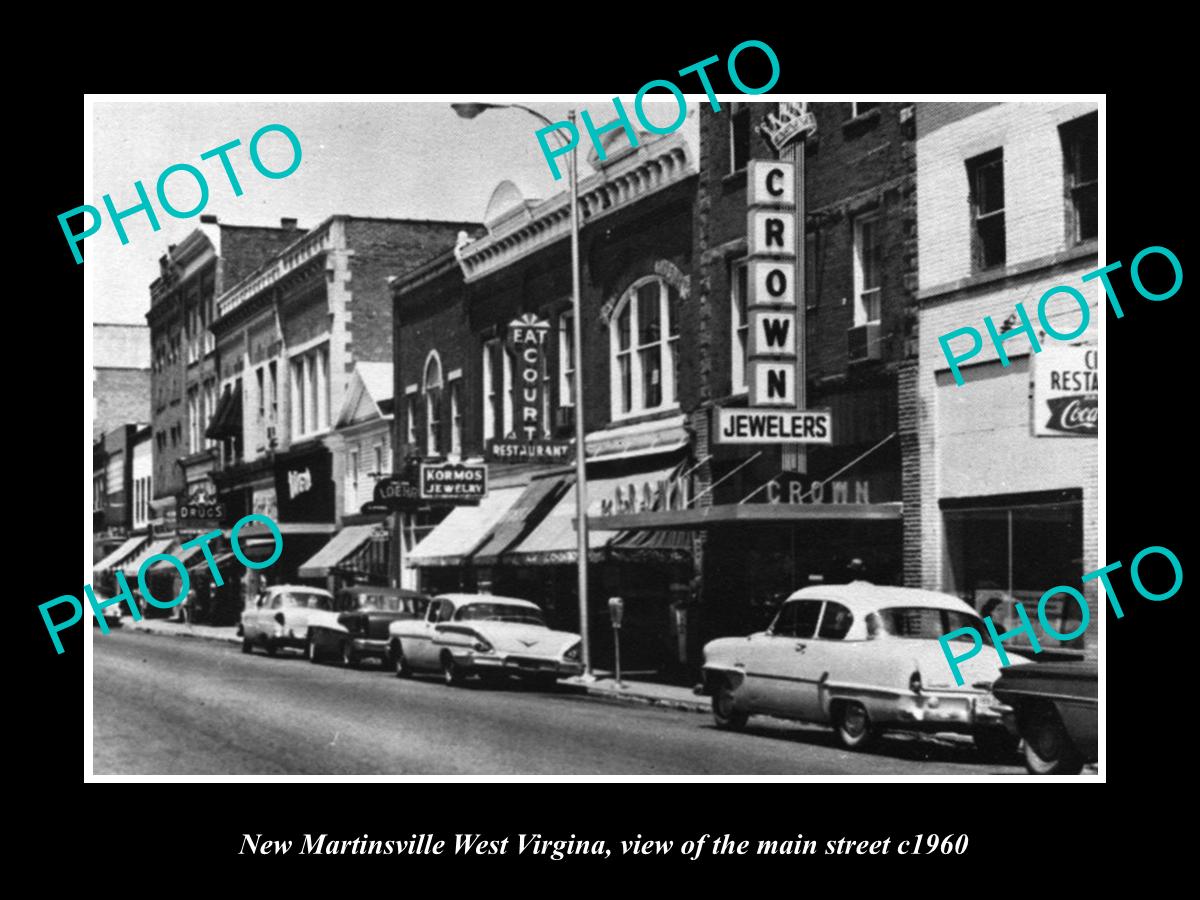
x=282 y=616
x=360 y=630
x=485 y=635
x=864 y=658
x=1054 y=710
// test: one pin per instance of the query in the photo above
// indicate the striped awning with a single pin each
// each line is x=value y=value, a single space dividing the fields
x=158 y=545
x=122 y=553
x=462 y=532
x=343 y=544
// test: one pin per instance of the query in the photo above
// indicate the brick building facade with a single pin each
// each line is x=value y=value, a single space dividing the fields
x=1009 y=491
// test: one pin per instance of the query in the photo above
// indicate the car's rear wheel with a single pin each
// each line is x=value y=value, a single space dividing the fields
x=452 y=672
x=853 y=726
x=725 y=712
x=270 y=646
x=399 y=663
x=1048 y=747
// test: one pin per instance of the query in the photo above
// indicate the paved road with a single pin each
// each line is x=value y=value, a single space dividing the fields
x=165 y=705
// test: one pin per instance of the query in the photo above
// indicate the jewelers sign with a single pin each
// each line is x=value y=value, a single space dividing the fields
x=453 y=481
x=1066 y=388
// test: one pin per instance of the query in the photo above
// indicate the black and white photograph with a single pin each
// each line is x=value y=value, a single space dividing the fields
x=833 y=367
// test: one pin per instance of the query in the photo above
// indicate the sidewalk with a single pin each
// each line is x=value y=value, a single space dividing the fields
x=181 y=629
x=668 y=695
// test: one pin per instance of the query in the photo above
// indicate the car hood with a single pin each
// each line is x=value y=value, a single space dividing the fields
x=981 y=669
x=521 y=639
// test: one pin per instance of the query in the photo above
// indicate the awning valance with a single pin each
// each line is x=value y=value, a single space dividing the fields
x=779 y=513
x=643 y=439
x=522 y=517
x=343 y=544
x=462 y=532
x=227 y=420
x=118 y=556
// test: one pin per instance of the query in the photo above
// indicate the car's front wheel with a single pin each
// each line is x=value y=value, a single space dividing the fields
x=853 y=726
x=1048 y=747
x=349 y=655
x=313 y=651
x=725 y=712
x=452 y=672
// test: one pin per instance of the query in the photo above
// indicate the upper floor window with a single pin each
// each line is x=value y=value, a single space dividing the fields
x=985 y=176
x=310 y=391
x=1081 y=177
x=739 y=136
x=410 y=420
x=432 y=388
x=739 y=325
x=644 y=337
x=493 y=416
x=566 y=359
x=867 y=282
x=456 y=417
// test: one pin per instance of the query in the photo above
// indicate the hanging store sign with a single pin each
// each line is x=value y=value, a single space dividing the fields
x=793 y=121
x=501 y=450
x=773 y=426
x=393 y=493
x=526 y=342
x=450 y=482
x=200 y=508
x=1066 y=387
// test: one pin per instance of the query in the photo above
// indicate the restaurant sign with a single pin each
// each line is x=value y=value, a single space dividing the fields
x=1066 y=387
x=526 y=442
x=453 y=482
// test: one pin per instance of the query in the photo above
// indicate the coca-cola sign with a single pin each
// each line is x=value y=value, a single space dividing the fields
x=1066 y=385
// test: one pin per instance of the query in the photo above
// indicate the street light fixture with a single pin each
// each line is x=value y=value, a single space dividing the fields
x=470 y=111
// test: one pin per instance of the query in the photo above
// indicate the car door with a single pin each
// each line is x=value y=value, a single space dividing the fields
x=829 y=652
x=418 y=638
x=252 y=617
x=782 y=668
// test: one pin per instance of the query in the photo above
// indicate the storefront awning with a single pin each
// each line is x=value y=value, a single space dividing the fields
x=462 y=532
x=343 y=544
x=627 y=442
x=777 y=513
x=255 y=531
x=553 y=542
x=199 y=563
x=227 y=420
x=524 y=515
x=118 y=556
x=156 y=546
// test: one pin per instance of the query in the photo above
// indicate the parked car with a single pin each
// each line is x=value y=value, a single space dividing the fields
x=481 y=634
x=282 y=616
x=863 y=658
x=1054 y=709
x=360 y=630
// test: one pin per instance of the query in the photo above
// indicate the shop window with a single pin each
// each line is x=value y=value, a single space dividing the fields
x=985 y=177
x=1081 y=177
x=644 y=337
x=739 y=325
x=868 y=291
x=1001 y=555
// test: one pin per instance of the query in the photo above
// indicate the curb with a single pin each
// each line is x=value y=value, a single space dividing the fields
x=187 y=634
x=618 y=696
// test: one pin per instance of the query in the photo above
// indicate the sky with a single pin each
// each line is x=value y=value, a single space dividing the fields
x=415 y=160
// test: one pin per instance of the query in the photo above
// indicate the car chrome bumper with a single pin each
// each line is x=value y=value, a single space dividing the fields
x=524 y=665
x=370 y=646
x=950 y=709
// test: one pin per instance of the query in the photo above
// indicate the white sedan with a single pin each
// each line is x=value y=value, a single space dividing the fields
x=863 y=658
x=481 y=634
x=282 y=616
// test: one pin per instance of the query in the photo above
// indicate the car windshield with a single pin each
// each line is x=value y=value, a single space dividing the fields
x=378 y=603
x=500 y=612
x=928 y=622
x=298 y=598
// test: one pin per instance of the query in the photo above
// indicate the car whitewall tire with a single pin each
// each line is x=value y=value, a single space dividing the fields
x=853 y=725
x=725 y=713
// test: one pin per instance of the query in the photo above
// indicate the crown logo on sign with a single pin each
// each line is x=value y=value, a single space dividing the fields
x=791 y=122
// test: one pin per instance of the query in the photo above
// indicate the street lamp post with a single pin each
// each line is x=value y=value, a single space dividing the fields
x=470 y=111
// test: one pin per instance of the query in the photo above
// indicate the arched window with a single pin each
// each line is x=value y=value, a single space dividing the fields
x=432 y=388
x=643 y=342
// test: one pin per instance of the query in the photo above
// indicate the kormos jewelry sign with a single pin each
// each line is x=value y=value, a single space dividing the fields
x=1066 y=388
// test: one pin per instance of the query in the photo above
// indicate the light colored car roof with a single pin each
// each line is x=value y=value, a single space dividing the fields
x=277 y=588
x=864 y=596
x=461 y=599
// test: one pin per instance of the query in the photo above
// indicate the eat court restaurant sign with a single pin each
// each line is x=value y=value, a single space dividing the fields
x=527 y=345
